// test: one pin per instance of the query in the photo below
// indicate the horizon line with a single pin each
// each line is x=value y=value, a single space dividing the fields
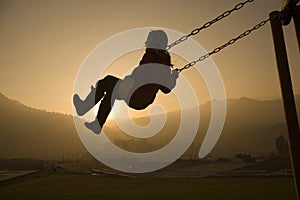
x=71 y=114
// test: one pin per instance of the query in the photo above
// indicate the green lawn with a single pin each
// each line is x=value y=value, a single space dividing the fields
x=63 y=186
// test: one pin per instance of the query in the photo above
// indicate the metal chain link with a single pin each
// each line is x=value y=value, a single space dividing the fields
x=218 y=49
x=208 y=24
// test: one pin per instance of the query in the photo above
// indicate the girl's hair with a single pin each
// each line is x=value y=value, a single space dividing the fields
x=157 y=39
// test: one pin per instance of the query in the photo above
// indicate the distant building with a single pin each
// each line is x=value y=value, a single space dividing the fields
x=282 y=146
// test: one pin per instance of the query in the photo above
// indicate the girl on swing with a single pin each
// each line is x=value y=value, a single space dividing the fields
x=138 y=89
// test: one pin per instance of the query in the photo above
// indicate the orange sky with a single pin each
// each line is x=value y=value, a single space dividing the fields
x=43 y=43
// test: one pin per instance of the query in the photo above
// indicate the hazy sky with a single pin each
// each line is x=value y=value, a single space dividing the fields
x=43 y=43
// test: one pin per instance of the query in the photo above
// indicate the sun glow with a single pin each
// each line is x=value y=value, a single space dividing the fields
x=118 y=110
x=111 y=114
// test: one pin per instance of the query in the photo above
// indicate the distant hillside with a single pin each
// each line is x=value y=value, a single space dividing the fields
x=32 y=133
x=251 y=127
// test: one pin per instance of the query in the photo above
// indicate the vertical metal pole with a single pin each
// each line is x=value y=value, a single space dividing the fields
x=296 y=18
x=287 y=95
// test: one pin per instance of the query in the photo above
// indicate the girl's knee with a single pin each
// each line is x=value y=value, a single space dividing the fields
x=106 y=79
x=110 y=78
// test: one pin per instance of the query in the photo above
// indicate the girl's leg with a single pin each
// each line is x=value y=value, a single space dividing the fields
x=95 y=95
x=109 y=82
x=105 y=108
x=106 y=84
x=83 y=106
x=106 y=104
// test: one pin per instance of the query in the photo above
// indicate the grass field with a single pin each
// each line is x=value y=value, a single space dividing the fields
x=57 y=186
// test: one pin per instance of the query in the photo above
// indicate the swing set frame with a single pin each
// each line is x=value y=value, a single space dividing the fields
x=278 y=19
x=289 y=11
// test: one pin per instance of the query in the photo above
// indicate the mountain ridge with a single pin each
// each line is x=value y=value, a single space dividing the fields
x=3 y=96
x=251 y=126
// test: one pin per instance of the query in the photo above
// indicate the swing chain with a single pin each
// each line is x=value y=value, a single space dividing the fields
x=208 y=24
x=218 y=49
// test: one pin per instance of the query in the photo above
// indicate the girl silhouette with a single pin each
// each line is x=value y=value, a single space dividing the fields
x=138 y=89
